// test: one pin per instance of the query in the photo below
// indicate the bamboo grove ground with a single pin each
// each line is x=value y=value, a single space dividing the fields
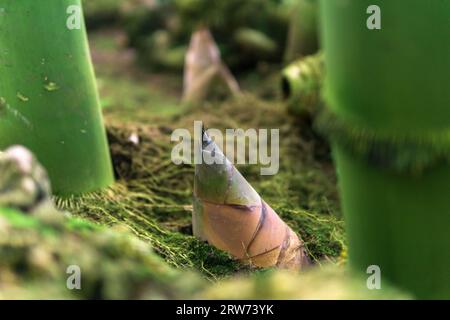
x=135 y=239
x=154 y=197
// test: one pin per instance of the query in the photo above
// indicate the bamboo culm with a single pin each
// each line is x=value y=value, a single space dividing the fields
x=48 y=95
x=388 y=120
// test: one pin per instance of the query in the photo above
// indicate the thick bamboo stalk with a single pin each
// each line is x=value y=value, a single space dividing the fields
x=48 y=95
x=389 y=122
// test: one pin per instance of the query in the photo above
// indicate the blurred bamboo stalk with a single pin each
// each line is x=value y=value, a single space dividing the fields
x=388 y=119
x=303 y=36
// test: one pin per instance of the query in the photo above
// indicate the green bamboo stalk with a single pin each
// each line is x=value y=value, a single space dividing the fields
x=389 y=123
x=301 y=84
x=303 y=31
x=49 y=101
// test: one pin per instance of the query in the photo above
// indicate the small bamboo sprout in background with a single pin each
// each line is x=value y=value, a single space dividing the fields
x=301 y=84
x=203 y=65
x=229 y=214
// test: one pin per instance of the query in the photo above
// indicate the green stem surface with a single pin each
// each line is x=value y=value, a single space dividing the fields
x=391 y=87
x=49 y=101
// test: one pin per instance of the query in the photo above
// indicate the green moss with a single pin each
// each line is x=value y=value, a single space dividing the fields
x=153 y=197
x=170 y=238
x=81 y=225
x=129 y=99
x=18 y=219
x=114 y=264
x=323 y=234
x=328 y=282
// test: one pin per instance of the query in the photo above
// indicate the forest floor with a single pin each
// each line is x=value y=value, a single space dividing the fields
x=151 y=200
x=154 y=197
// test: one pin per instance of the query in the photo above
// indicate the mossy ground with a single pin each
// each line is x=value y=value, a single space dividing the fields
x=36 y=252
x=153 y=197
x=135 y=240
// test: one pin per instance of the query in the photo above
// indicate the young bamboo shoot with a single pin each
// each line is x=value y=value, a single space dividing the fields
x=229 y=214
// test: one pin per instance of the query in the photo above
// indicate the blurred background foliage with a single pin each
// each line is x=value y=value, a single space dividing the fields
x=247 y=32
